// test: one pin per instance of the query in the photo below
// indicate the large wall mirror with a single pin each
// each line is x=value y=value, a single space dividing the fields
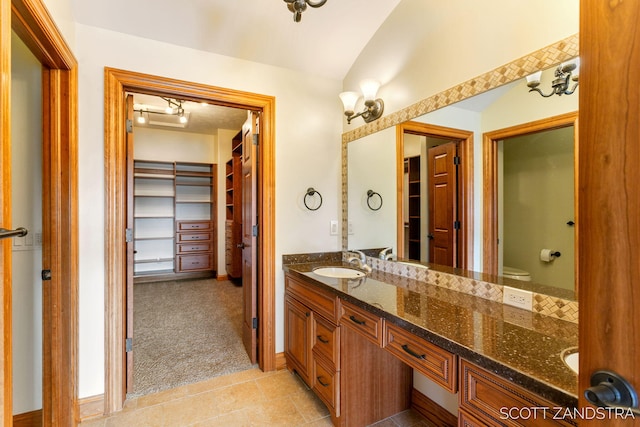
x=509 y=198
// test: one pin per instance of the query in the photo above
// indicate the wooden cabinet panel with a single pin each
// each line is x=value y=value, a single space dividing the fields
x=326 y=338
x=369 y=325
x=497 y=401
x=431 y=360
x=467 y=420
x=297 y=339
x=326 y=383
x=324 y=303
x=198 y=262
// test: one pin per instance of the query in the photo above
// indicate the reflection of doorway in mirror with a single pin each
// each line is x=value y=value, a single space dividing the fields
x=430 y=198
x=537 y=204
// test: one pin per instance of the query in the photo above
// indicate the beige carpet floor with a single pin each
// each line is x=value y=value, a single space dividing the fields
x=185 y=332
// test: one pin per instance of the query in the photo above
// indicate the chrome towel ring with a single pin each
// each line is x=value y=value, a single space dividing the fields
x=310 y=193
x=370 y=195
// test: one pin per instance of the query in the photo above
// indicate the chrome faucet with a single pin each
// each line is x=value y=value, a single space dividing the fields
x=386 y=253
x=360 y=259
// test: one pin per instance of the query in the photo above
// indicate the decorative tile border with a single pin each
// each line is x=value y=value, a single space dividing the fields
x=542 y=304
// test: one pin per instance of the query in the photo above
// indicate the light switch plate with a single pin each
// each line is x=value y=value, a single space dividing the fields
x=333 y=227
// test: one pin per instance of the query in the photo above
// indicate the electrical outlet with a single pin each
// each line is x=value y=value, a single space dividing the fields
x=517 y=297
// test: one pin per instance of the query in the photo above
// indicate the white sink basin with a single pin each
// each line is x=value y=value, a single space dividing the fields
x=339 y=272
x=571 y=360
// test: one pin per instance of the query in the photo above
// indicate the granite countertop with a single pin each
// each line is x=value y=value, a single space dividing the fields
x=518 y=345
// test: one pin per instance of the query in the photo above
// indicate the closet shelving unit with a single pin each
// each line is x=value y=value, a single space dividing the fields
x=174 y=217
x=195 y=216
x=233 y=200
x=154 y=207
x=414 y=242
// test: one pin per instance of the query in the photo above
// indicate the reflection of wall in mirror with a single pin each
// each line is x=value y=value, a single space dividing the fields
x=370 y=168
x=538 y=194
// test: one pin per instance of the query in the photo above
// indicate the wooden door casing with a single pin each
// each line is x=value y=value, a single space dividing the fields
x=443 y=204
x=464 y=196
x=249 y=237
x=128 y=380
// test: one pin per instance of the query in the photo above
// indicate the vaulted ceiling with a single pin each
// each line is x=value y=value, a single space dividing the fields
x=326 y=42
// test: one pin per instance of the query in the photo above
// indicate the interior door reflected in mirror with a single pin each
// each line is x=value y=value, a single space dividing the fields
x=431 y=203
x=530 y=184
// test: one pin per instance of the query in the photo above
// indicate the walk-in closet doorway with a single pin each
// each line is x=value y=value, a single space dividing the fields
x=118 y=83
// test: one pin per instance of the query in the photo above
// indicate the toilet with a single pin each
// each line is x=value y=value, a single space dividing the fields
x=516 y=273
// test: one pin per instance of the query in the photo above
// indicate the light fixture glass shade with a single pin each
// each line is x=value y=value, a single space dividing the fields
x=169 y=109
x=576 y=73
x=141 y=118
x=369 y=89
x=534 y=79
x=349 y=100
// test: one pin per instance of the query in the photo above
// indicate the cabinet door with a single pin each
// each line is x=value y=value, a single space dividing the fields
x=297 y=341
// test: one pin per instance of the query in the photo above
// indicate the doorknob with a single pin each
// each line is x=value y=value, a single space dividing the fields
x=610 y=390
x=241 y=245
x=430 y=236
x=18 y=232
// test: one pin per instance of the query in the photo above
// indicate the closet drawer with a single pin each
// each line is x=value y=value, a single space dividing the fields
x=367 y=324
x=194 y=262
x=436 y=363
x=193 y=225
x=194 y=247
x=192 y=237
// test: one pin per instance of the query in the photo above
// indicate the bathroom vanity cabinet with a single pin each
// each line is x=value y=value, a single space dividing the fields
x=360 y=362
x=342 y=361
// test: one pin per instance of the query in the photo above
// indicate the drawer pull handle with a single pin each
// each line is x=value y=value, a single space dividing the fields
x=323 y=340
x=413 y=353
x=358 y=321
x=323 y=384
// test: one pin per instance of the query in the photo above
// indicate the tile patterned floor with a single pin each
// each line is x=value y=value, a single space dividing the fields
x=248 y=398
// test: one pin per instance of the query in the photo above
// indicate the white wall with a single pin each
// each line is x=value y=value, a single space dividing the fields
x=62 y=13
x=171 y=146
x=26 y=189
x=307 y=151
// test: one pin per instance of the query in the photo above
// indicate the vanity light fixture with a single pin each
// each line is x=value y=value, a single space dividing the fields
x=373 y=106
x=560 y=86
x=299 y=6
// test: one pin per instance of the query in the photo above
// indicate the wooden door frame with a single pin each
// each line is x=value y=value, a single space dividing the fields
x=465 y=191
x=35 y=27
x=490 y=182
x=116 y=83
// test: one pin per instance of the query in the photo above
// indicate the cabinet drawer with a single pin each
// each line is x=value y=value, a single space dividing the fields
x=194 y=262
x=431 y=360
x=327 y=340
x=194 y=247
x=193 y=237
x=317 y=300
x=367 y=324
x=489 y=397
x=193 y=225
x=326 y=383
